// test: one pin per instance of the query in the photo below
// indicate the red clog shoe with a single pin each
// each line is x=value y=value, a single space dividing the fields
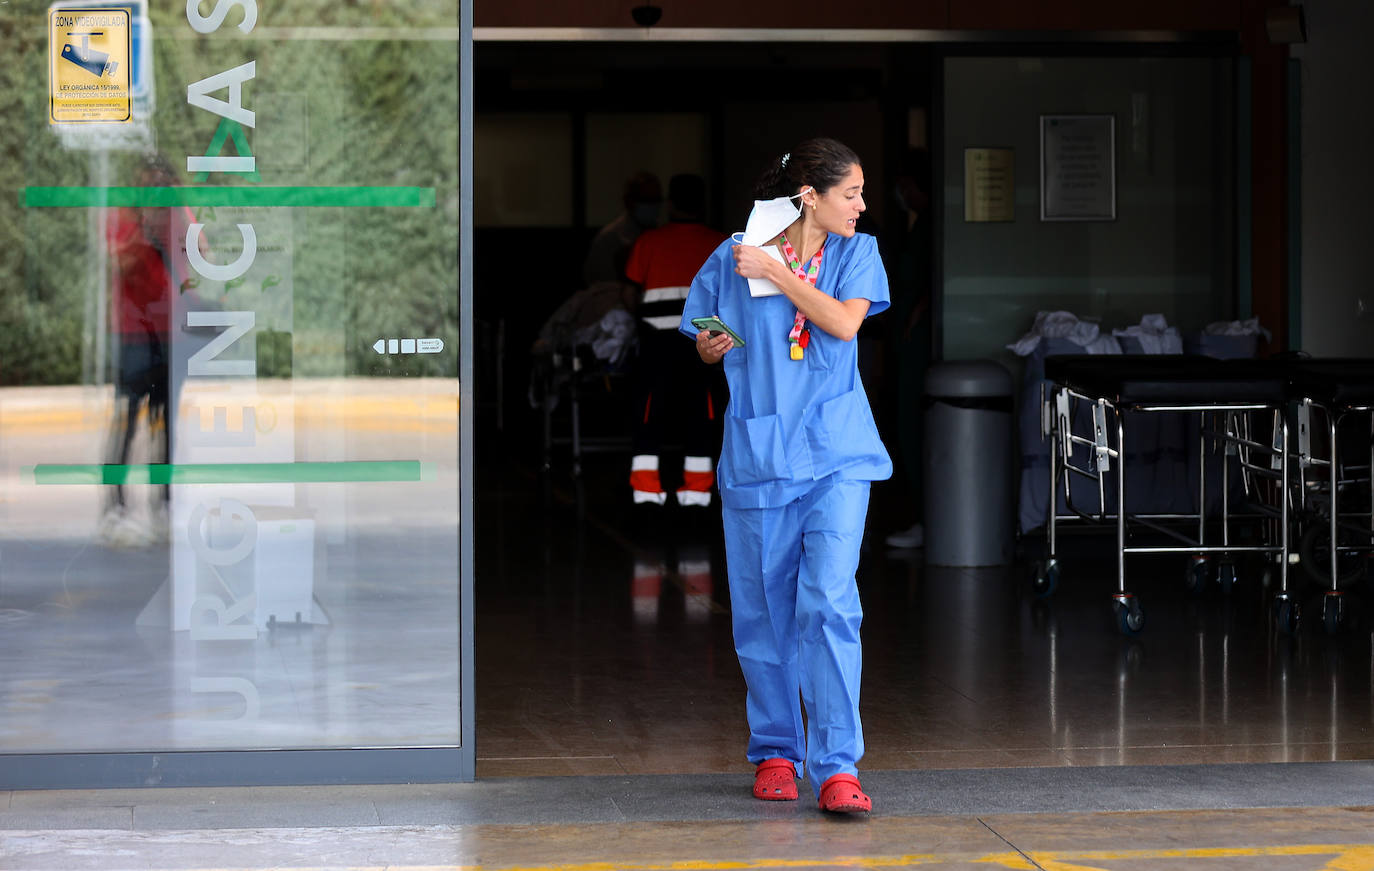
x=842 y=794
x=775 y=780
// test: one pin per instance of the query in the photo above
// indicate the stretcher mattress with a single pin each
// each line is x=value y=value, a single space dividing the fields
x=1336 y=382
x=1173 y=379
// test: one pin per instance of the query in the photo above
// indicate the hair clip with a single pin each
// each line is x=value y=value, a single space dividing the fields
x=785 y=158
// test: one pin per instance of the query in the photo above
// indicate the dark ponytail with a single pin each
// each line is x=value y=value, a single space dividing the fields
x=821 y=163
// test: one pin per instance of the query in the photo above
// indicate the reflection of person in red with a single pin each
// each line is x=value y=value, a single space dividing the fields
x=141 y=243
x=672 y=385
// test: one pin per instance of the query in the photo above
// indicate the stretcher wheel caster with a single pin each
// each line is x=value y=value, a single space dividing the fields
x=1130 y=619
x=1046 y=579
x=1333 y=612
x=1287 y=614
x=1226 y=577
x=1195 y=575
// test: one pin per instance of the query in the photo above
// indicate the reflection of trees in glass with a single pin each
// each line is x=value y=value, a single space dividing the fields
x=38 y=338
x=371 y=112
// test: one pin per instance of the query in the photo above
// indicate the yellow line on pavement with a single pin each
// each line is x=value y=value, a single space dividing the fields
x=1345 y=857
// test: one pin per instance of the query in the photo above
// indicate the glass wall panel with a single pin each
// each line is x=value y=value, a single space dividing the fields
x=229 y=355
x=1170 y=249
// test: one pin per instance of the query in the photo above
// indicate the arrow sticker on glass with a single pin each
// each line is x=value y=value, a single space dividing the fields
x=408 y=346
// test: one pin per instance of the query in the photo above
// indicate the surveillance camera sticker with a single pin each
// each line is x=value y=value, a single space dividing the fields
x=88 y=70
x=97 y=63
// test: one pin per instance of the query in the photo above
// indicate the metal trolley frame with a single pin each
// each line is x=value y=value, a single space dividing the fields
x=1334 y=392
x=1115 y=388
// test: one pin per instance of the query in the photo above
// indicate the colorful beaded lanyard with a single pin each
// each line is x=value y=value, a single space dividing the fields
x=800 y=336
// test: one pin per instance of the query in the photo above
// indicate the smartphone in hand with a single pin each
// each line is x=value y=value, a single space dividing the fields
x=716 y=326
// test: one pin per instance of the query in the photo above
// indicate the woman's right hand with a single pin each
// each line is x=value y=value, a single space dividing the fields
x=712 y=348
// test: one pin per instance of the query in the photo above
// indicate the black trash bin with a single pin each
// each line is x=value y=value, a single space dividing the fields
x=968 y=464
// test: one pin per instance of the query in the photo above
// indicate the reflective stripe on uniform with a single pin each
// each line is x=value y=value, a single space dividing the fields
x=644 y=480
x=661 y=307
x=698 y=476
x=665 y=294
x=696 y=464
x=694 y=498
x=664 y=322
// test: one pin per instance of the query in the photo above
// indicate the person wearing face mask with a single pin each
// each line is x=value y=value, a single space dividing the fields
x=799 y=452
x=610 y=248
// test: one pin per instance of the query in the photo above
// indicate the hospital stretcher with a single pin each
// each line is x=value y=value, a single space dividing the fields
x=1235 y=403
x=572 y=375
x=1335 y=507
x=1242 y=411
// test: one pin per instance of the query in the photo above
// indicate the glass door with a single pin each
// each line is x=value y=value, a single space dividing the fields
x=231 y=432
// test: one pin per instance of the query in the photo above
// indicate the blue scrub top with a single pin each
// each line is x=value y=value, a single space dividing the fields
x=790 y=422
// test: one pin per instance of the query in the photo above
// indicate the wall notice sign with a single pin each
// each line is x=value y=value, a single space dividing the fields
x=1077 y=167
x=88 y=65
x=989 y=184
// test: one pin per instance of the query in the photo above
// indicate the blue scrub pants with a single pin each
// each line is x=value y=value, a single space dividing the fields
x=796 y=613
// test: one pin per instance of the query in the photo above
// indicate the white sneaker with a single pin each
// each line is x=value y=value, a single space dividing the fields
x=119 y=530
x=908 y=538
x=109 y=520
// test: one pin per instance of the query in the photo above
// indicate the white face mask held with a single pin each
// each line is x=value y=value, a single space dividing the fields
x=767 y=220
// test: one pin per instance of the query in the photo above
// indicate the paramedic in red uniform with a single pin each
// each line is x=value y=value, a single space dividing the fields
x=673 y=386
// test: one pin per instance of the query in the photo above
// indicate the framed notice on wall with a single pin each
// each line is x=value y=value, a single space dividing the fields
x=989 y=184
x=1077 y=167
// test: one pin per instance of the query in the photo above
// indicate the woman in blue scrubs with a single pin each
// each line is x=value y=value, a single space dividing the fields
x=799 y=452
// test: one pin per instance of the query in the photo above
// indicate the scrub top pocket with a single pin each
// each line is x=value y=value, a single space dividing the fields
x=754 y=449
x=840 y=434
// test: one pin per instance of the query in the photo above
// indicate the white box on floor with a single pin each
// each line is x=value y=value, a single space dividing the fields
x=280 y=569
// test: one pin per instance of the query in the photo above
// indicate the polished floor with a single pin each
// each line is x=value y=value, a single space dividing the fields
x=604 y=647
x=1003 y=731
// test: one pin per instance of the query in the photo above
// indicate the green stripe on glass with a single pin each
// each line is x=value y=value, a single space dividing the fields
x=310 y=197
x=235 y=473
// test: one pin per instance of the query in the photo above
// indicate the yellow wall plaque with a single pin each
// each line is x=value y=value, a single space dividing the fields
x=88 y=65
x=989 y=184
